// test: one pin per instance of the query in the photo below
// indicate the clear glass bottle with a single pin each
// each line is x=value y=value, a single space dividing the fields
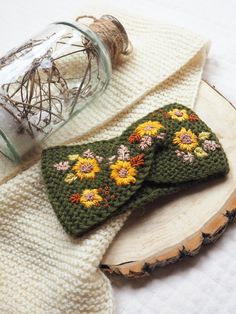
x=48 y=79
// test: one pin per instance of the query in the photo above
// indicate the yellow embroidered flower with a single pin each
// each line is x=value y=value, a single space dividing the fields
x=199 y=152
x=150 y=128
x=73 y=157
x=185 y=139
x=70 y=177
x=86 y=168
x=90 y=198
x=178 y=114
x=123 y=173
x=204 y=136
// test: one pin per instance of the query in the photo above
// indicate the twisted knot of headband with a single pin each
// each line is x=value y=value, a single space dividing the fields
x=168 y=150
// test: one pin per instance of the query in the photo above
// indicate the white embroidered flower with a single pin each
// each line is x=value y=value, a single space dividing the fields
x=62 y=166
x=145 y=142
x=188 y=157
x=88 y=154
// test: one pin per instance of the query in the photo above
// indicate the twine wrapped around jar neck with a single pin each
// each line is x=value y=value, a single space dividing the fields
x=112 y=33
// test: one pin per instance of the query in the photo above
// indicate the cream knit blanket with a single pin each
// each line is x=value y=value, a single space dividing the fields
x=43 y=270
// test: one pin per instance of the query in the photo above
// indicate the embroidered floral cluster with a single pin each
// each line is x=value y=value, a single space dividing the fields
x=124 y=167
x=93 y=197
x=193 y=146
x=82 y=167
x=180 y=115
x=146 y=132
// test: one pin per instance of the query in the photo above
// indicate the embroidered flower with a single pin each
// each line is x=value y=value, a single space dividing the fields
x=123 y=153
x=178 y=114
x=145 y=142
x=200 y=153
x=88 y=154
x=86 y=168
x=185 y=139
x=193 y=117
x=75 y=198
x=123 y=173
x=70 y=178
x=150 y=128
x=134 y=138
x=210 y=145
x=137 y=160
x=204 y=136
x=90 y=197
x=188 y=157
x=73 y=157
x=62 y=166
x=179 y=153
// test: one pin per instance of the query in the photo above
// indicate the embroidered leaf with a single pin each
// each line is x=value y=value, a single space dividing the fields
x=111 y=159
x=137 y=160
x=99 y=158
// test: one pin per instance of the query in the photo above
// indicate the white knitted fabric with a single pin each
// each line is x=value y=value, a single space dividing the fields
x=43 y=270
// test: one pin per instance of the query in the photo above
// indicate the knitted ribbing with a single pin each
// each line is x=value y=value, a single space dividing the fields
x=42 y=269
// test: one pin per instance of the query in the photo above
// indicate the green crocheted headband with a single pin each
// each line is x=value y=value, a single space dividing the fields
x=168 y=150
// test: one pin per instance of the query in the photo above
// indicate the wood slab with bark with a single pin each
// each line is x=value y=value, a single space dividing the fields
x=180 y=225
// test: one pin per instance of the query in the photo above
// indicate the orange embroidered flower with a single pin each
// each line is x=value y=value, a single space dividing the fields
x=134 y=138
x=193 y=117
x=137 y=161
x=75 y=198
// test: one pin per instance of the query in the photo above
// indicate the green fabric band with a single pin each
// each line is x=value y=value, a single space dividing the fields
x=168 y=150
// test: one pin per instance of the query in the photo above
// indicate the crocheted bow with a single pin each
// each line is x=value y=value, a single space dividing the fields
x=168 y=150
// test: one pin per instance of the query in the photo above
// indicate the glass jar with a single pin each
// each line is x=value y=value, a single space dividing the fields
x=50 y=78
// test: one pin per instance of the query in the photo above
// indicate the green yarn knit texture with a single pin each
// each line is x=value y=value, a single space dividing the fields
x=168 y=150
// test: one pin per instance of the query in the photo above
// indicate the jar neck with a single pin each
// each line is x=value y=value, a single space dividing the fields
x=112 y=34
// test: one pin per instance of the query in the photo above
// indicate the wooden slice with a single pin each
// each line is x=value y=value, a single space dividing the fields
x=180 y=225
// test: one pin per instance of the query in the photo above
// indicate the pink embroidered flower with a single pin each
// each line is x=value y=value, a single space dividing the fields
x=123 y=153
x=188 y=157
x=88 y=154
x=210 y=145
x=179 y=153
x=145 y=142
x=62 y=166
